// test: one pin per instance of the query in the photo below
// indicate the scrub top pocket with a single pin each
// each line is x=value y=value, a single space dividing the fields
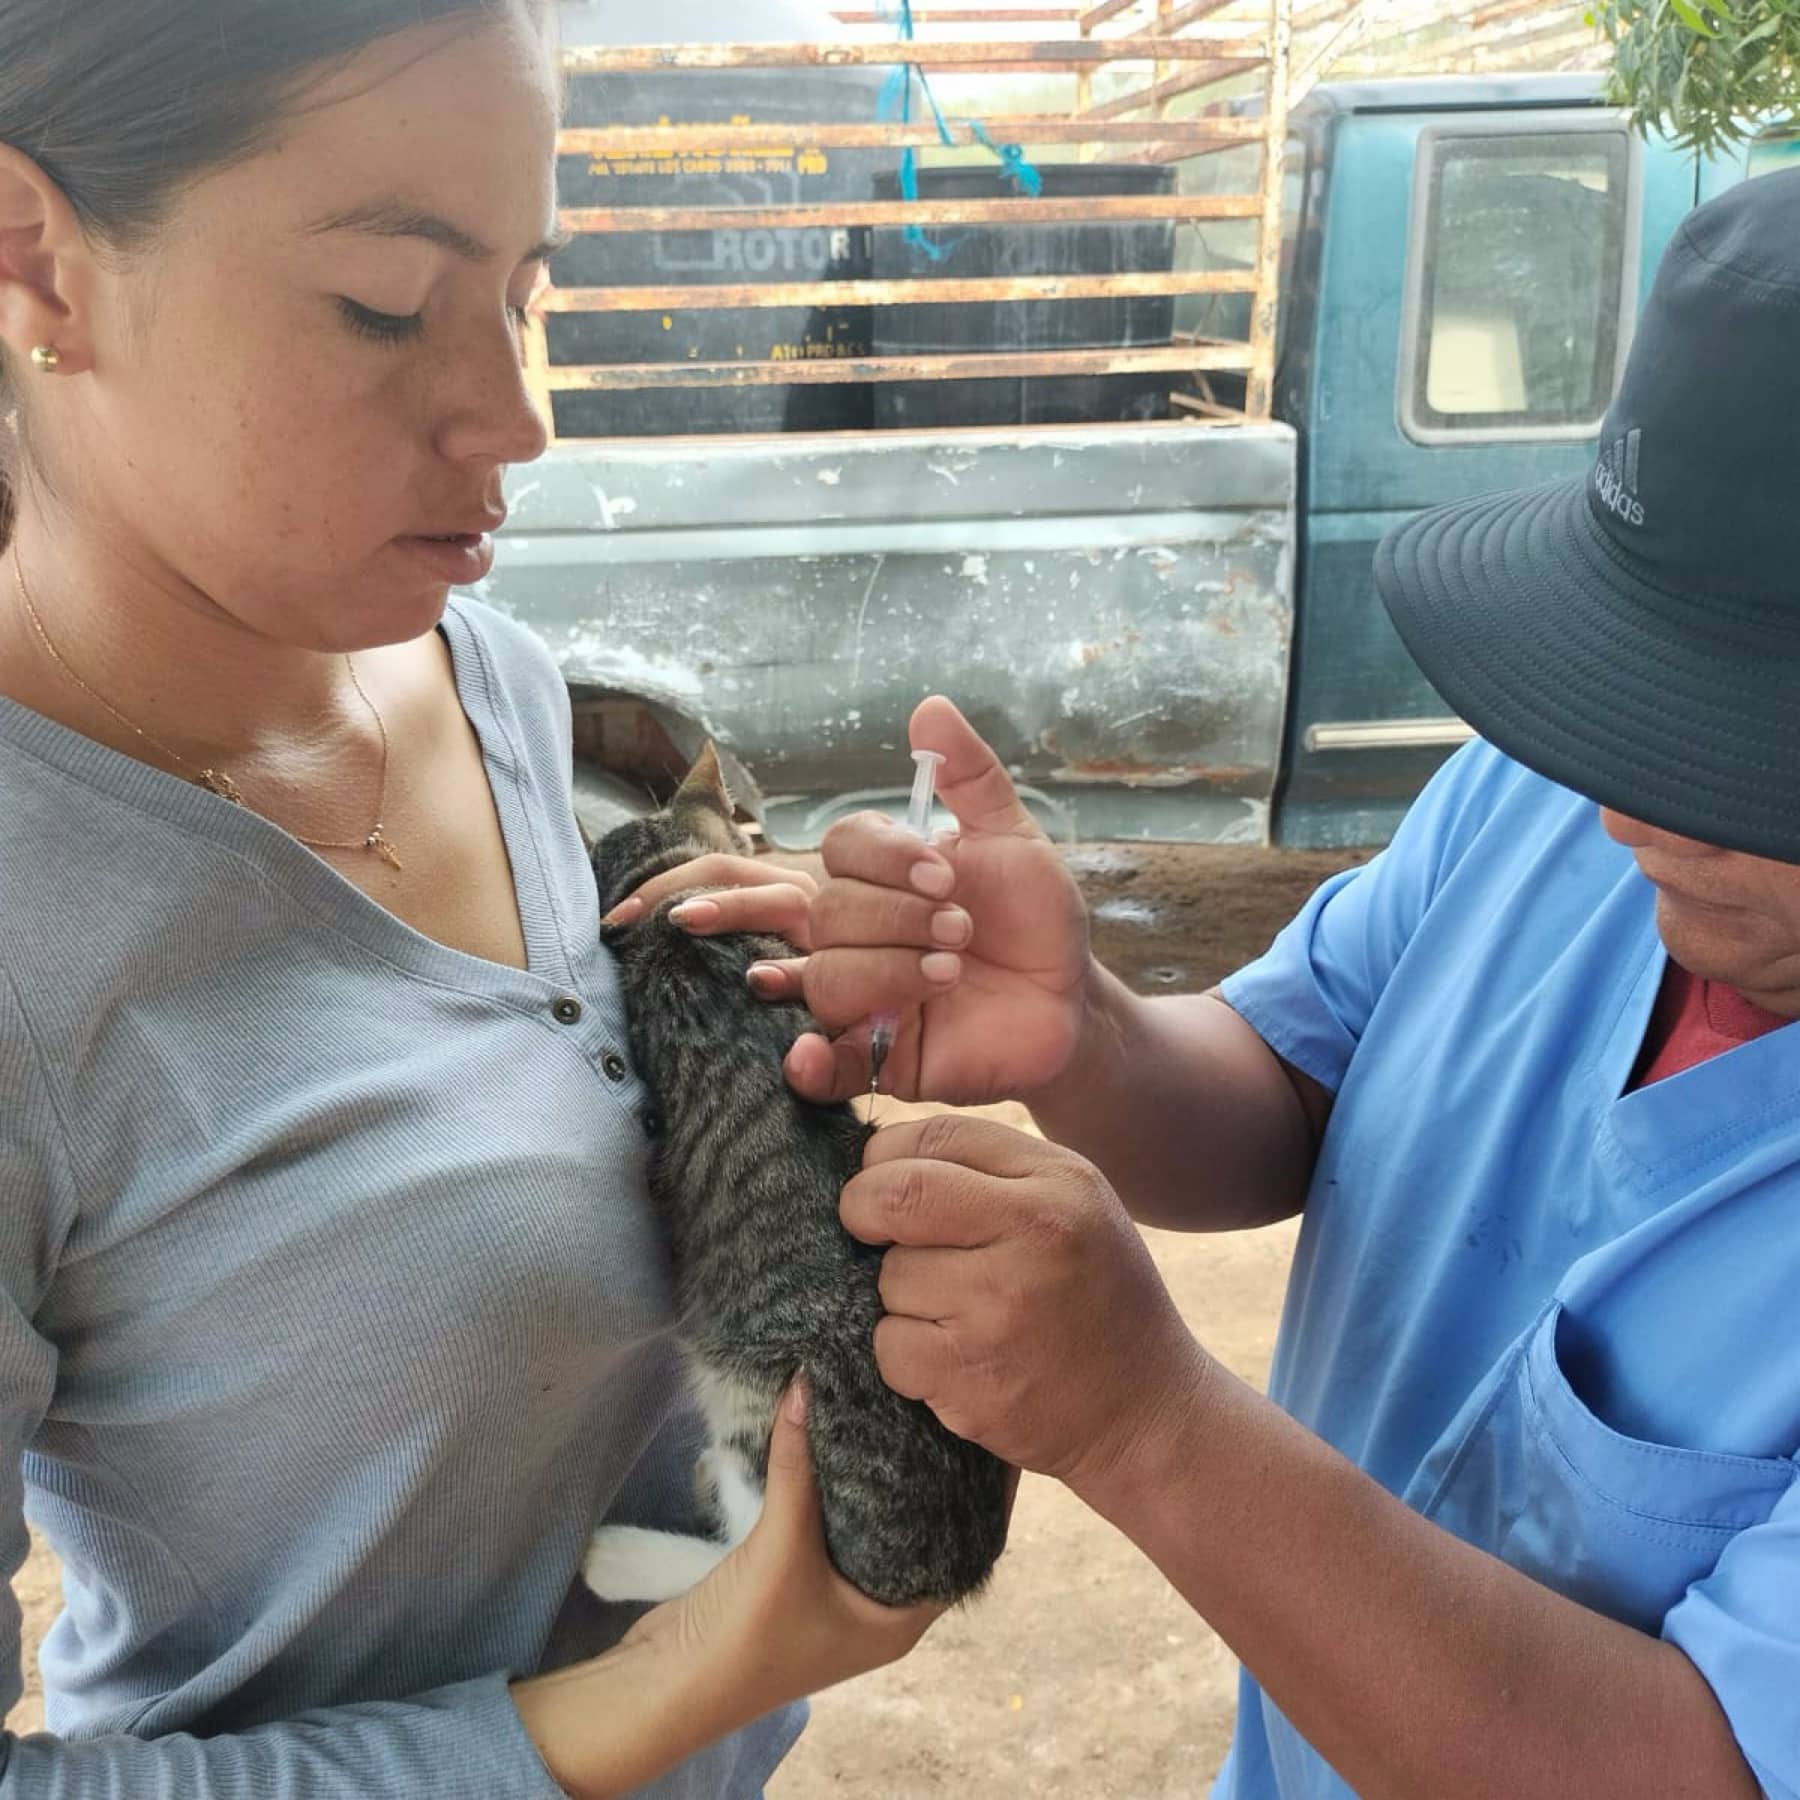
x=1619 y=1524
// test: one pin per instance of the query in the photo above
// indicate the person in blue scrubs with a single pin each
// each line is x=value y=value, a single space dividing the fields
x=1519 y=1515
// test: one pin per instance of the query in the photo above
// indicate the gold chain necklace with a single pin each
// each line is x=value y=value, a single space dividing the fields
x=216 y=780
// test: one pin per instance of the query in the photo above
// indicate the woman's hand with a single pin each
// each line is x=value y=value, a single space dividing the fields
x=777 y=1617
x=773 y=1623
x=751 y=896
x=979 y=941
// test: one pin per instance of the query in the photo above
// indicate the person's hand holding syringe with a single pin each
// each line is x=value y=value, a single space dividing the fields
x=884 y=1027
x=973 y=940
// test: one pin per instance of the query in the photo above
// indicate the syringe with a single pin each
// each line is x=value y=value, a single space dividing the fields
x=884 y=1027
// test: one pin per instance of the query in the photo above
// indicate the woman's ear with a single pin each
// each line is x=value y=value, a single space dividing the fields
x=46 y=267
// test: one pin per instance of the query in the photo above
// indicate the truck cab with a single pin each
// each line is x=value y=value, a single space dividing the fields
x=1465 y=261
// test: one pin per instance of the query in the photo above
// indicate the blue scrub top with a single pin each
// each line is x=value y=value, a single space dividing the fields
x=1560 y=1319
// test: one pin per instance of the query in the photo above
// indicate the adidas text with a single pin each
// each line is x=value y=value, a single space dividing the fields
x=1616 y=477
x=1615 y=499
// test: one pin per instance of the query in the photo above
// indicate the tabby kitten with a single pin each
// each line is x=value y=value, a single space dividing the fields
x=746 y=1177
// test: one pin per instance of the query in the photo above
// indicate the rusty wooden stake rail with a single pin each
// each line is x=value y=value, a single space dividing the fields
x=1030 y=128
x=1266 y=311
x=1084 y=89
x=1184 y=16
x=1096 y=16
x=619 y=377
x=1489 y=35
x=663 y=141
x=1160 y=93
x=970 y=15
x=828 y=215
x=974 y=292
x=1222 y=42
x=1163 y=88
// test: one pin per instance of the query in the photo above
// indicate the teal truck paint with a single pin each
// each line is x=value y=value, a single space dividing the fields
x=1170 y=632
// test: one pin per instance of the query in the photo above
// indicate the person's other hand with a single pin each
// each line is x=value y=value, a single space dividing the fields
x=1022 y=1306
x=979 y=941
x=775 y=1619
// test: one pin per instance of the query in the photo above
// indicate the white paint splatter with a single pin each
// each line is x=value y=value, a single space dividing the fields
x=1252 y=828
x=831 y=477
x=975 y=568
x=596 y=654
x=1121 y=910
x=1101 y=860
x=611 y=510
x=862 y=619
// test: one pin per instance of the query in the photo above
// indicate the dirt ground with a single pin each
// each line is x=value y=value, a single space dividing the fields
x=1081 y=1674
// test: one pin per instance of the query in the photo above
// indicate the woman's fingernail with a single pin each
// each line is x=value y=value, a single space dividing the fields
x=695 y=915
x=940 y=966
x=952 y=926
x=764 y=977
x=795 y=1404
x=932 y=878
x=627 y=912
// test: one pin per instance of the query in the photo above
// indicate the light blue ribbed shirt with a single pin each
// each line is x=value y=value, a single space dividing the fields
x=332 y=1312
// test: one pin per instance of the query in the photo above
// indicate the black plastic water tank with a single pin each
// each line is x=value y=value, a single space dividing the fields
x=780 y=174
x=1096 y=247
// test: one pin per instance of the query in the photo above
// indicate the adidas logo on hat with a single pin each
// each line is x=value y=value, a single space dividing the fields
x=1616 y=478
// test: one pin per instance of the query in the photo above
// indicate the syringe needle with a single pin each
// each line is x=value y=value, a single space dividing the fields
x=884 y=1027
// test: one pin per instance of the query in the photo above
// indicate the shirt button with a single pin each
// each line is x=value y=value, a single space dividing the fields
x=566 y=1011
x=614 y=1065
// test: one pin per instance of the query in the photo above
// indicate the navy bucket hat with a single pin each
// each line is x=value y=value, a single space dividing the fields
x=1635 y=635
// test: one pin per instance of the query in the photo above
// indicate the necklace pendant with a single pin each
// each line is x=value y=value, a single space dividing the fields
x=216 y=781
x=377 y=840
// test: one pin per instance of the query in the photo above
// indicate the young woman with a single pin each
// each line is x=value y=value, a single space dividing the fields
x=332 y=1317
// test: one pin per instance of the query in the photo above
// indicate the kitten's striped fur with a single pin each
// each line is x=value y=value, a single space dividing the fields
x=746 y=1177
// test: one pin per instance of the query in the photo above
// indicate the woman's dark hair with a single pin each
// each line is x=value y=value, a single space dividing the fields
x=123 y=102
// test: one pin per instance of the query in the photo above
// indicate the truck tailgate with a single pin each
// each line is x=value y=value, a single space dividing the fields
x=1112 y=605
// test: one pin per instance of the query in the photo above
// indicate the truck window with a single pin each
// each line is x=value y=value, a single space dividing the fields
x=1774 y=151
x=1517 y=296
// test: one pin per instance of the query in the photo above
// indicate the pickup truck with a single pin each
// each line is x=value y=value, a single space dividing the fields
x=1168 y=630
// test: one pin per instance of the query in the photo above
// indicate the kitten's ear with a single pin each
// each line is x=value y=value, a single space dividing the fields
x=702 y=807
x=704 y=785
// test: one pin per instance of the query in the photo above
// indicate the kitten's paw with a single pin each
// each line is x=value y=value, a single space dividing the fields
x=628 y=1562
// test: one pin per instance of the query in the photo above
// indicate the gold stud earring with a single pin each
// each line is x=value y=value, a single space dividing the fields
x=46 y=359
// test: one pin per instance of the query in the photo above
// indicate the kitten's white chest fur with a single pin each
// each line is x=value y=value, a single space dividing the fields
x=634 y=1562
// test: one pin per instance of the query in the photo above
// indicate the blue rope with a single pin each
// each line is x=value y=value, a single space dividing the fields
x=896 y=100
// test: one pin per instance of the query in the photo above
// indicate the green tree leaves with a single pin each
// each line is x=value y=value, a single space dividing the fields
x=1704 y=72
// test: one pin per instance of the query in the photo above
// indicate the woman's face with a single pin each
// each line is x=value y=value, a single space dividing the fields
x=313 y=371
